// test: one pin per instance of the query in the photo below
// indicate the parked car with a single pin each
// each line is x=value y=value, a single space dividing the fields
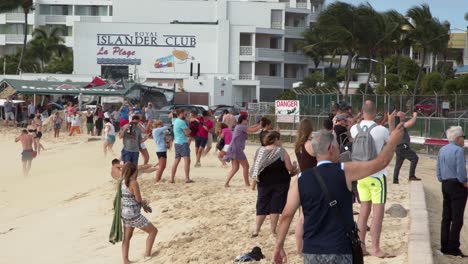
x=163 y=115
x=186 y=107
x=429 y=106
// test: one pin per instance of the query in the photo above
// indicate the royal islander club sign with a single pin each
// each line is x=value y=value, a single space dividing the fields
x=287 y=111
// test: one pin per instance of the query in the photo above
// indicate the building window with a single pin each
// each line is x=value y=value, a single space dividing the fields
x=55 y=10
x=111 y=11
x=85 y=10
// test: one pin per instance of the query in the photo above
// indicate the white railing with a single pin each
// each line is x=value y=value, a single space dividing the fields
x=90 y=19
x=297 y=57
x=55 y=19
x=244 y=76
x=246 y=50
x=269 y=53
x=277 y=24
x=302 y=5
x=294 y=31
x=275 y=81
x=15 y=17
x=15 y=38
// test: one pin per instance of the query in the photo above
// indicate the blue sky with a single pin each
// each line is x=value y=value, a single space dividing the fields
x=451 y=10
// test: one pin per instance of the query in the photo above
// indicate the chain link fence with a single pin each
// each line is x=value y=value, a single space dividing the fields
x=452 y=106
x=427 y=127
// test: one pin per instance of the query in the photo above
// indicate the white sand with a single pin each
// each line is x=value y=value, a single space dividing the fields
x=62 y=213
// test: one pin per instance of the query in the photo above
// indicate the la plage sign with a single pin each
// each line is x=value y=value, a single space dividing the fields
x=147 y=39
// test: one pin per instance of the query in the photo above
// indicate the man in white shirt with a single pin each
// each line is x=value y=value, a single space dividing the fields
x=373 y=189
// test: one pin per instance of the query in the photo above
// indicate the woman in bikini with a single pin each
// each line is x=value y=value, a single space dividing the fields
x=57 y=120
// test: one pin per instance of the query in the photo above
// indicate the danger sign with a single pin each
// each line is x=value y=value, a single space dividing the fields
x=287 y=111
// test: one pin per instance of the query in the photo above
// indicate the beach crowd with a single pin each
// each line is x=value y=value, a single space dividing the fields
x=341 y=163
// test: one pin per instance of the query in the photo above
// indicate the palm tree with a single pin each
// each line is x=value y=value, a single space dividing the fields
x=424 y=32
x=440 y=45
x=376 y=37
x=400 y=37
x=27 y=6
x=341 y=25
x=47 y=43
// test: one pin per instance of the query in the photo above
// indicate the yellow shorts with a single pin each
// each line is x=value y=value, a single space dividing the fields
x=373 y=189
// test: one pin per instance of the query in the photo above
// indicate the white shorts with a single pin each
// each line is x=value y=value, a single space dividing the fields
x=10 y=116
x=69 y=119
x=225 y=148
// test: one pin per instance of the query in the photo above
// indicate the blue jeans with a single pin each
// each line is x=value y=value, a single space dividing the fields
x=128 y=156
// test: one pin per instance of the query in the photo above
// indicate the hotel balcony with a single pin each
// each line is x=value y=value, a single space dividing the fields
x=298 y=7
x=296 y=58
x=271 y=81
x=249 y=53
x=51 y=19
x=276 y=82
x=15 y=18
x=265 y=54
x=313 y=17
x=294 y=32
x=14 y=39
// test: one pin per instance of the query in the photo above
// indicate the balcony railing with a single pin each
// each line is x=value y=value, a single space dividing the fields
x=277 y=24
x=271 y=81
x=297 y=57
x=245 y=76
x=301 y=5
x=294 y=31
x=55 y=19
x=16 y=17
x=90 y=19
x=246 y=50
x=269 y=53
x=15 y=38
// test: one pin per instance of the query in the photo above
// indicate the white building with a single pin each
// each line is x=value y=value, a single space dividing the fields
x=245 y=49
x=50 y=13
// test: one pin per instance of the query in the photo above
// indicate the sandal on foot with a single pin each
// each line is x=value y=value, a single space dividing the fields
x=189 y=181
x=254 y=235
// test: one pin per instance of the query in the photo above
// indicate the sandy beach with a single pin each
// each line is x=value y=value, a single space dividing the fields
x=62 y=212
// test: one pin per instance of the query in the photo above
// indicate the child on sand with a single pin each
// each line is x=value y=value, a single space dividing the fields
x=27 y=142
x=159 y=137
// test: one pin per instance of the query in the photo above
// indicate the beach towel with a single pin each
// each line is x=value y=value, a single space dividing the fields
x=116 y=233
x=263 y=158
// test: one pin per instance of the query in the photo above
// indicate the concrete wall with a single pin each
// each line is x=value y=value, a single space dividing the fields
x=161 y=11
x=219 y=89
x=256 y=13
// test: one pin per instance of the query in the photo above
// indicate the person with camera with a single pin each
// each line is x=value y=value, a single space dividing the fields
x=132 y=138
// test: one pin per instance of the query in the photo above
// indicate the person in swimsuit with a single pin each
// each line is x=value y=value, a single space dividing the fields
x=159 y=137
x=57 y=124
x=38 y=124
x=236 y=153
x=131 y=215
x=29 y=144
x=90 y=121
x=144 y=133
x=306 y=158
x=109 y=133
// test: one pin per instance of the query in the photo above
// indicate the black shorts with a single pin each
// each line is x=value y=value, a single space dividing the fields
x=39 y=134
x=162 y=154
x=272 y=199
x=200 y=142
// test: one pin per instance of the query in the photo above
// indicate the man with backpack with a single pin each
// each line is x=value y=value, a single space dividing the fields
x=369 y=140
